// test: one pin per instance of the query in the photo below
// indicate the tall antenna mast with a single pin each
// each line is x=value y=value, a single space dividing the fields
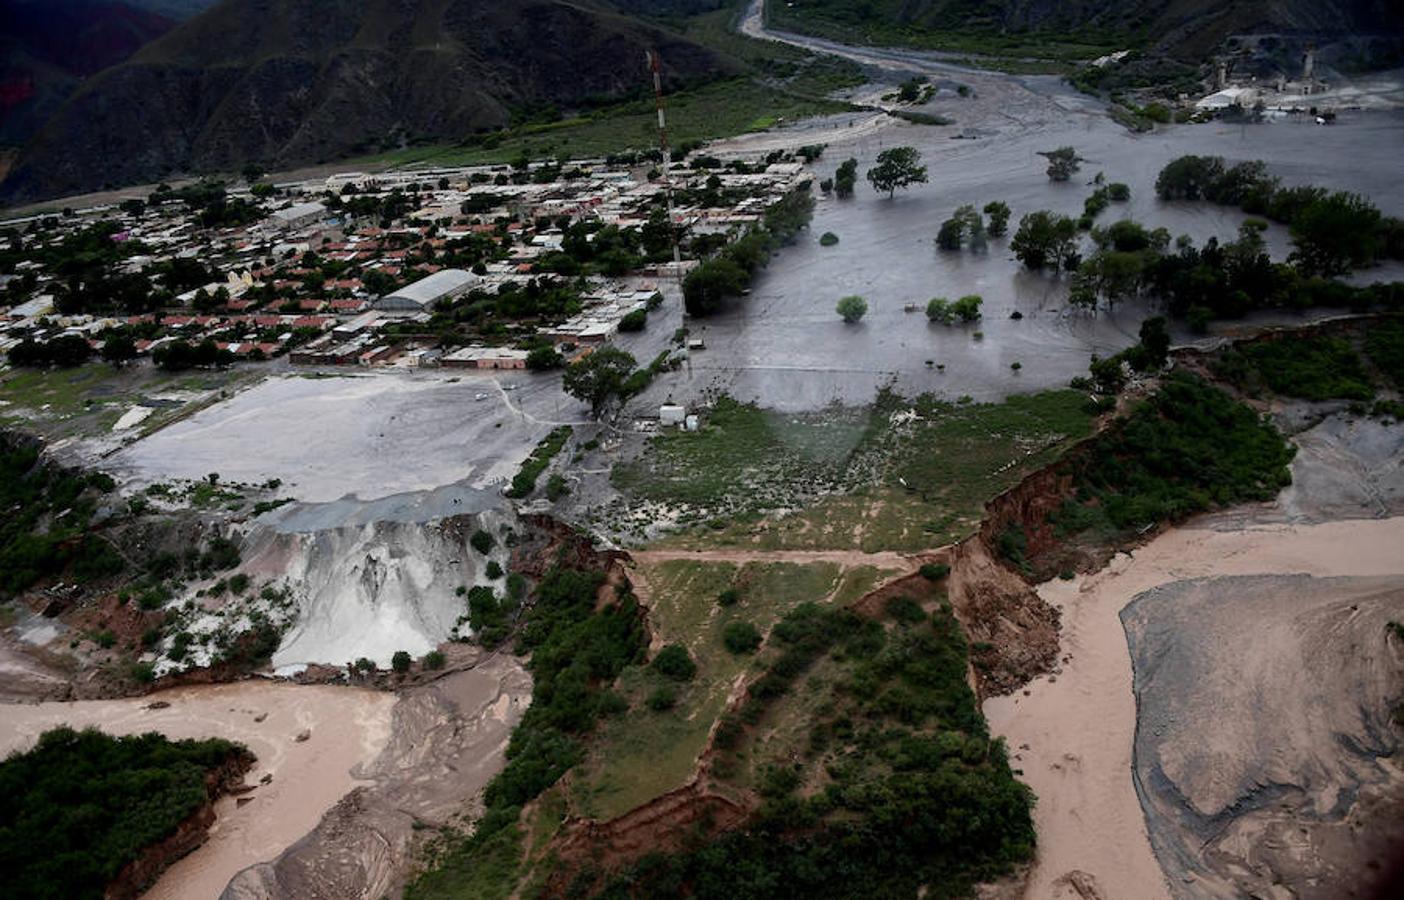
x=655 y=65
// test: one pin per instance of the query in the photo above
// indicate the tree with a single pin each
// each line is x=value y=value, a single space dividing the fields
x=967 y=308
x=1335 y=233
x=897 y=167
x=1044 y=239
x=119 y=348
x=539 y=359
x=598 y=378
x=939 y=310
x=400 y=662
x=1063 y=163
x=1155 y=338
x=634 y=321
x=951 y=235
x=674 y=662
x=998 y=211
x=845 y=178
x=852 y=308
x=709 y=284
x=740 y=637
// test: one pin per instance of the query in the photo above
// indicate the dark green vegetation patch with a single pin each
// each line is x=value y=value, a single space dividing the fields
x=1312 y=368
x=81 y=805
x=46 y=516
x=903 y=786
x=576 y=653
x=1189 y=448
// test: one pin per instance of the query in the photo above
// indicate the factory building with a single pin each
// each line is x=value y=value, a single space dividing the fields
x=424 y=293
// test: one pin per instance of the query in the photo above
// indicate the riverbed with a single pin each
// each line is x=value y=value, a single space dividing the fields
x=1071 y=734
x=345 y=728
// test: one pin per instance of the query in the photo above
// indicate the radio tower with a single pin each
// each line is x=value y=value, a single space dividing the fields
x=655 y=65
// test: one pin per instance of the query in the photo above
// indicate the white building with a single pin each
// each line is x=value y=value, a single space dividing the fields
x=424 y=293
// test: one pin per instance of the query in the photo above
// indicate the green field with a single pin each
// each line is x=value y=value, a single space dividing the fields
x=88 y=400
x=846 y=479
x=641 y=753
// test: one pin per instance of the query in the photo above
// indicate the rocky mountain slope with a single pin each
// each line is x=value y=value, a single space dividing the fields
x=310 y=81
x=47 y=47
x=1182 y=28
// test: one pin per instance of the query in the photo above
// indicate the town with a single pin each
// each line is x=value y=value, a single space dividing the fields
x=488 y=267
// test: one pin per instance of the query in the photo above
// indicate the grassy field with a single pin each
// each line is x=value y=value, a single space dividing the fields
x=88 y=400
x=723 y=109
x=641 y=753
x=904 y=475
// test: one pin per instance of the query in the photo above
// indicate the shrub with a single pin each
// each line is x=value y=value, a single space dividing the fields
x=481 y=541
x=729 y=597
x=828 y=239
x=674 y=662
x=741 y=637
x=1119 y=192
x=493 y=570
x=400 y=662
x=434 y=659
x=905 y=610
x=934 y=571
x=556 y=487
x=238 y=583
x=634 y=321
x=852 y=308
x=663 y=698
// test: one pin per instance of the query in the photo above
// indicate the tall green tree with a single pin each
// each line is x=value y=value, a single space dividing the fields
x=897 y=167
x=599 y=378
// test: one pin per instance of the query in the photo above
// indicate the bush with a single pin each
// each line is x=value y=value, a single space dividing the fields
x=729 y=597
x=674 y=662
x=556 y=487
x=238 y=583
x=741 y=637
x=828 y=239
x=663 y=698
x=934 y=571
x=905 y=610
x=493 y=570
x=481 y=541
x=400 y=662
x=541 y=359
x=1119 y=192
x=433 y=660
x=634 y=321
x=852 y=308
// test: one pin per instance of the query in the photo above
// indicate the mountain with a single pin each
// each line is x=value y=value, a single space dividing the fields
x=179 y=10
x=1188 y=29
x=293 y=82
x=47 y=47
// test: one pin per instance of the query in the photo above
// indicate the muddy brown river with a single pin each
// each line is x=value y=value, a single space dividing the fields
x=346 y=727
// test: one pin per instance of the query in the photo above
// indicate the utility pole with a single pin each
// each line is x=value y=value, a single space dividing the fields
x=655 y=65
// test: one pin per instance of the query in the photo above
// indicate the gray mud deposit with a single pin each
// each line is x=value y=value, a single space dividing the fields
x=447 y=741
x=1264 y=751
